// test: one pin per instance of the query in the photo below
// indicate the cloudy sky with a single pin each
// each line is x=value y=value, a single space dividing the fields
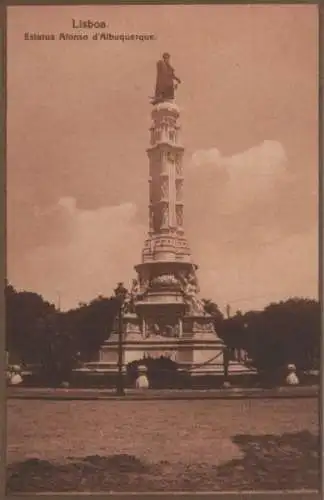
x=78 y=119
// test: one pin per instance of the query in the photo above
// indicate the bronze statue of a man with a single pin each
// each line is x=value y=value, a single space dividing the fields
x=164 y=89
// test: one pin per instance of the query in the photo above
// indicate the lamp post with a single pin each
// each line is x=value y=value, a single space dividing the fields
x=226 y=361
x=120 y=294
x=226 y=354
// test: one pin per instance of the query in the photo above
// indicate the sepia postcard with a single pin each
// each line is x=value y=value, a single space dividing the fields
x=163 y=318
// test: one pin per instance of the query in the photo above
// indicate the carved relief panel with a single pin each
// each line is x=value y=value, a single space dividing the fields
x=170 y=157
x=165 y=216
x=172 y=135
x=143 y=281
x=162 y=327
x=179 y=190
x=179 y=215
x=163 y=162
x=158 y=134
x=160 y=217
x=151 y=219
x=164 y=188
x=178 y=162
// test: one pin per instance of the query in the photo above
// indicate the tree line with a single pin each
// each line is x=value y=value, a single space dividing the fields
x=37 y=333
x=286 y=332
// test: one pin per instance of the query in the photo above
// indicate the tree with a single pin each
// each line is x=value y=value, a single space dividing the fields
x=23 y=313
x=213 y=310
x=296 y=330
x=90 y=325
x=58 y=352
x=283 y=333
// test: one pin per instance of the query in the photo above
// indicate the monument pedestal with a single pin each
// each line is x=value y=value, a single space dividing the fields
x=196 y=348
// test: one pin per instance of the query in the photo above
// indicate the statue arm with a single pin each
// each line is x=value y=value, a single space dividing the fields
x=175 y=77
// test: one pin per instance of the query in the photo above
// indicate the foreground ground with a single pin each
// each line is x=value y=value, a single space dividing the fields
x=162 y=445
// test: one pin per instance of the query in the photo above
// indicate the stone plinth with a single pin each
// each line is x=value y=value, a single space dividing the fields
x=194 y=345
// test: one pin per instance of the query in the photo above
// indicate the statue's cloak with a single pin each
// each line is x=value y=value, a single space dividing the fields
x=164 y=88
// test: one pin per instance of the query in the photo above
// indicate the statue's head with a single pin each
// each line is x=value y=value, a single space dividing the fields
x=166 y=56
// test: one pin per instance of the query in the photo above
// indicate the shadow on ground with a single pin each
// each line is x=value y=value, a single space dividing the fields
x=289 y=461
x=270 y=462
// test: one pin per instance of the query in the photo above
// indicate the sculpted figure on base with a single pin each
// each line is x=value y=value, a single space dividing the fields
x=133 y=296
x=190 y=290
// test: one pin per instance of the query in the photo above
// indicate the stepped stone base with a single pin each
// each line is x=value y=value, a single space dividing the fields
x=197 y=349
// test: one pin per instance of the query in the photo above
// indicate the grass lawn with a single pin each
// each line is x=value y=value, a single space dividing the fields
x=162 y=445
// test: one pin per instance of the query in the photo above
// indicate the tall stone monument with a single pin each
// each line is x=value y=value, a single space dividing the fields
x=164 y=315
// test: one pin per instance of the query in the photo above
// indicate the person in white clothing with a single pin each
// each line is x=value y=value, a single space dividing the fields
x=14 y=375
x=142 y=381
x=292 y=378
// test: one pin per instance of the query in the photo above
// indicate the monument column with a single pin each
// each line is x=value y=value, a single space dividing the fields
x=167 y=317
x=165 y=180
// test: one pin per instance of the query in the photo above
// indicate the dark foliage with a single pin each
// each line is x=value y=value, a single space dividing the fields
x=53 y=341
x=26 y=313
x=90 y=325
x=283 y=333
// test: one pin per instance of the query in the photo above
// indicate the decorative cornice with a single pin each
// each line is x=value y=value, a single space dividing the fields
x=166 y=106
x=165 y=145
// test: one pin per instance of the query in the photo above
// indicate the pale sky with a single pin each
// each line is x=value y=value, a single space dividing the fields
x=78 y=120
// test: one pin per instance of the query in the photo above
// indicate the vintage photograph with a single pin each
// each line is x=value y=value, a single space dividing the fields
x=162 y=308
